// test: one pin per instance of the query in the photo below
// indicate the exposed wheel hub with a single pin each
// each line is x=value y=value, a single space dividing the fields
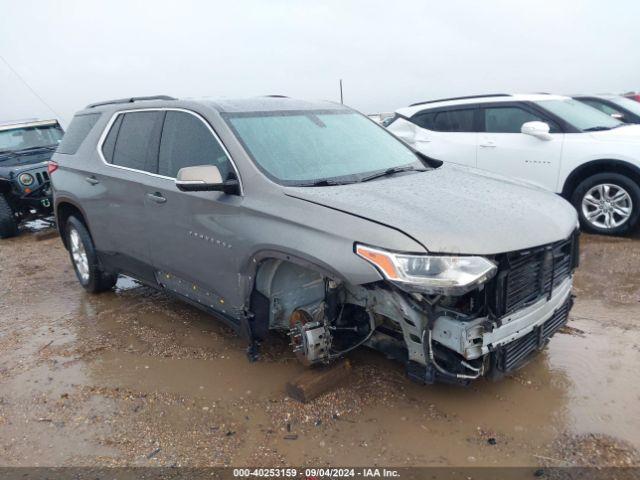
x=310 y=336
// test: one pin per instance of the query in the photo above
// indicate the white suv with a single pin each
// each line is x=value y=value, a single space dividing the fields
x=551 y=141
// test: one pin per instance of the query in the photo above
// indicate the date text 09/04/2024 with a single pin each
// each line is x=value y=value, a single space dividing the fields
x=312 y=473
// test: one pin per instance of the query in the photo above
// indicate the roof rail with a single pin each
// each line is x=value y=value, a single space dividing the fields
x=461 y=98
x=276 y=96
x=130 y=100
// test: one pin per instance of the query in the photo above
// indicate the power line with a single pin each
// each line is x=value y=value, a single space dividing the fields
x=35 y=94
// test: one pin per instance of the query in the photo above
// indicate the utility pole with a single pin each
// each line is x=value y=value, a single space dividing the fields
x=341 y=98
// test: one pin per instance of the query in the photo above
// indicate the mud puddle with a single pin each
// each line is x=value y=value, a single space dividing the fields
x=132 y=377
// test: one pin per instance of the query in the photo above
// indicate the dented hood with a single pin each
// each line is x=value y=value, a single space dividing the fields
x=453 y=209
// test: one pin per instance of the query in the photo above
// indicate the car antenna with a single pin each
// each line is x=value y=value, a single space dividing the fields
x=24 y=82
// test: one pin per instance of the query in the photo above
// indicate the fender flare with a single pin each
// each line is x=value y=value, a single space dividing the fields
x=5 y=185
x=58 y=202
x=598 y=166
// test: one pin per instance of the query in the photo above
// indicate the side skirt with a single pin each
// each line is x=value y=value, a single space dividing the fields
x=194 y=294
x=177 y=288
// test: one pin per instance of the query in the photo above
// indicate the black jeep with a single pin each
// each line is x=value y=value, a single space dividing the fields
x=25 y=192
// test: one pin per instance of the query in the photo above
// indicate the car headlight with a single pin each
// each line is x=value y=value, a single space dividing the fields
x=26 y=179
x=434 y=274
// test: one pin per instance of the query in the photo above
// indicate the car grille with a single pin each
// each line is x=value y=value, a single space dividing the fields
x=42 y=177
x=528 y=275
x=513 y=354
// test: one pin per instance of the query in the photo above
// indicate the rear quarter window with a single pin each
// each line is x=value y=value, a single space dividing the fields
x=459 y=120
x=78 y=130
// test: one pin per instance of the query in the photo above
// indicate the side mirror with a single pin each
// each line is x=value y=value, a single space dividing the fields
x=537 y=129
x=404 y=130
x=618 y=116
x=204 y=178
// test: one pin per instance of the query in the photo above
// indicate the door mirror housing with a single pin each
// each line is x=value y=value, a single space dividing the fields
x=537 y=129
x=618 y=116
x=204 y=178
x=405 y=131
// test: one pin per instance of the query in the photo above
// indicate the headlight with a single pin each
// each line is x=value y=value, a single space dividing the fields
x=436 y=274
x=25 y=179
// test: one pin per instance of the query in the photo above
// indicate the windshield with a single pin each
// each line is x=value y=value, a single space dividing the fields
x=29 y=137
x=306 y=147
x=581 y=116
x=627 y=104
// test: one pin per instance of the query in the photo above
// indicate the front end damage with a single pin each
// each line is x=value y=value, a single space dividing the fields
x=488 y=330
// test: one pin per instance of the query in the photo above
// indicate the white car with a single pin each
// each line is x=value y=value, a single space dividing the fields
x=552 y=141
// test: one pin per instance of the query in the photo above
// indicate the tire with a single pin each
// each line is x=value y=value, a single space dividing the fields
x=85 y=260
x=599 y=211
x=8 y=222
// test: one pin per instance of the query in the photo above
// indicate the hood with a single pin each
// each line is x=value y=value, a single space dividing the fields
x=21 y=160
x=11 y=169
x=453 y=210
x=625 y=133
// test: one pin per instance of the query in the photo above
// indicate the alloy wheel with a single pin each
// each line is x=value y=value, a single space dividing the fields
x=79 y=255
x=607 y=206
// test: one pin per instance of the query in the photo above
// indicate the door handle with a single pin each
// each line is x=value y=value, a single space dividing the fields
x=92 y=180
x=488 y=144
x=156 y=197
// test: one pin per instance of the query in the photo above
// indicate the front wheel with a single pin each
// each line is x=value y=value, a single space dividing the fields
x=85 y=260
x=8 y=222
x=607 y=203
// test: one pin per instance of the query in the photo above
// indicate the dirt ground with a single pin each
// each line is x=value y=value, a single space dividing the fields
x=133 y=377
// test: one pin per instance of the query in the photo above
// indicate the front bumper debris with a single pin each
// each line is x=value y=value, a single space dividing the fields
x=481 y=336
x=514 y=354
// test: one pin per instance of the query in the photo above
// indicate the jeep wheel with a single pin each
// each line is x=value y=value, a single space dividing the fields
x=607 y=203
x=8 y=222
x=85 y=260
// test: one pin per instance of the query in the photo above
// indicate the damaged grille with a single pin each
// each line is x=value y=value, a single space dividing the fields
x=515 y=353
x=528 y=275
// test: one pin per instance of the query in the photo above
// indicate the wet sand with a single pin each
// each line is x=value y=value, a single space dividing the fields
x=133 y=377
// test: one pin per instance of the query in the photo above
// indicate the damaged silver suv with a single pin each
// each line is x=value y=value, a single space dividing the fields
x=276 y=214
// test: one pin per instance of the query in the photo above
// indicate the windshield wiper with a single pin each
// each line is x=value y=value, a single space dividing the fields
x=31 y=149
x=391 y=171
x=327 y=182
x=597 y=129
x=324 y=182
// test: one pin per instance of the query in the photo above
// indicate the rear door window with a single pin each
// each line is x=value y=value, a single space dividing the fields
x=459 y=120
x=188 y=142
x=136 y=141
x=110 y=142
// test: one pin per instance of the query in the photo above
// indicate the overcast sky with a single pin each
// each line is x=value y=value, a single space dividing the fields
x=389 y=53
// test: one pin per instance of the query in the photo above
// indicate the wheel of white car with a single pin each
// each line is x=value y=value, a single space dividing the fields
x=84 y=258
x=607 y=203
